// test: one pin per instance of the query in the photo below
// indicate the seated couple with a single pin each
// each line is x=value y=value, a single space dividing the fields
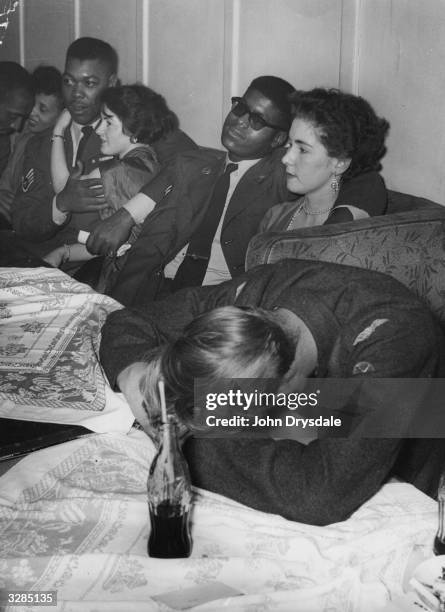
x=288 y=321
x=201 y=211
x=43 y=219
x=132 y=117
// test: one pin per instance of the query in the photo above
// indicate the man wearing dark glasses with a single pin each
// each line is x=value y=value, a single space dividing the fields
x=201 y=211
x=209 y=203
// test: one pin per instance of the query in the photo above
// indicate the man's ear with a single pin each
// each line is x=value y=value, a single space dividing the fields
x=279 y=139
x=112 y=80
x=294 y=379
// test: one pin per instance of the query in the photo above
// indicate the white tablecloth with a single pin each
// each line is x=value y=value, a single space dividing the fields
x=49 y=344
x=74 y=518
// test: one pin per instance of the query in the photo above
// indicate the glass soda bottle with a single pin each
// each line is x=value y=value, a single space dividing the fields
x=169 y=499
x=439 y=541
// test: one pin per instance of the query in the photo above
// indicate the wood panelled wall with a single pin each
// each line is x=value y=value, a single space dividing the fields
x=198 y=53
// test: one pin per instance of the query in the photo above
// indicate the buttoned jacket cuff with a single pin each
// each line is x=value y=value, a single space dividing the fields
x=139 y=207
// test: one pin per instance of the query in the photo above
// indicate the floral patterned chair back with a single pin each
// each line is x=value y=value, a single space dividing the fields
x=408 y=245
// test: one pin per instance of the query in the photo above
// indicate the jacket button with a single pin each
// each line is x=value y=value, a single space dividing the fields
x=226 y=242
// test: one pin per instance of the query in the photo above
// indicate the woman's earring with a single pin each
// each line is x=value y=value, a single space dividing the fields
x=335 y=185
x=133 y=139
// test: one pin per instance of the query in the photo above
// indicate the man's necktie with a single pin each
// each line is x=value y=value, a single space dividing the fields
x=87 y=130
x=192 y=270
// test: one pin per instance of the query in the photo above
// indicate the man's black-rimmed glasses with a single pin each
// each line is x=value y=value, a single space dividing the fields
x=256 y=121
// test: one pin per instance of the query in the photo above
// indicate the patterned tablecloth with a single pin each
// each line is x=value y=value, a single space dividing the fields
x=49 y=342
x=74 y=518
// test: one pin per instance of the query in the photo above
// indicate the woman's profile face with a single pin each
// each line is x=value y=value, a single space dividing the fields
x=309 y=168
x=110 y=130
x=44 y=114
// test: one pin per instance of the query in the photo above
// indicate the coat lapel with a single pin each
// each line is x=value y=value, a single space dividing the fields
x=201 y=191
x=248 y=189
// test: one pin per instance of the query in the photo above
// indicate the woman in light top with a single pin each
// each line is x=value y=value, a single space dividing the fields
x=133 y=117
x=334 y=137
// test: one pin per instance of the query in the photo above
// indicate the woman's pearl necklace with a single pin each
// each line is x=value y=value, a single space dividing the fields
x=303 y=208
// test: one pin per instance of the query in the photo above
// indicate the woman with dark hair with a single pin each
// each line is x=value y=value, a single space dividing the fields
x=334 y=137
x=133 y=118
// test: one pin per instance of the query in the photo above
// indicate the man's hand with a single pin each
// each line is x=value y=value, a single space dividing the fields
x=81 y=195
x=130 y=382
x=110 y=234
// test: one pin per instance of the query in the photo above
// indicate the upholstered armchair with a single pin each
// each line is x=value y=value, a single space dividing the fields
x=408 y=243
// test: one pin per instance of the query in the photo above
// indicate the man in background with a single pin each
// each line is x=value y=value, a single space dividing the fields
x=16 y=102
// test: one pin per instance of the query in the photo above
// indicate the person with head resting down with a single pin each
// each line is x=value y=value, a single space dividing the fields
x=200 y=212
x=335 y=138
x=16 y=97
x=48 y=104
x=133 y=117
x=290 y=321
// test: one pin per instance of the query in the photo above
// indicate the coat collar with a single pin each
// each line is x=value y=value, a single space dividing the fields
x=251 y=187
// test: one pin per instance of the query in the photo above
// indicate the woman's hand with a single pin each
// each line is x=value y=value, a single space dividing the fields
x=55 y=258
x=62 y=122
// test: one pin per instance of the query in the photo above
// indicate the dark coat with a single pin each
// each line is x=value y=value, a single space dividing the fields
x=32 y=207
x=184 y=193
x=366 y=326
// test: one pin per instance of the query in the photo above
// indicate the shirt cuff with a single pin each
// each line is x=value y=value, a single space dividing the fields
x=59 y=217
x=139 y=207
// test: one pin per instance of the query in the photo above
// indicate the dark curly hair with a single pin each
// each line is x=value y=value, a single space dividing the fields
x=347 y=127
x=48 y=80
x=143 y=112
x=13 y=77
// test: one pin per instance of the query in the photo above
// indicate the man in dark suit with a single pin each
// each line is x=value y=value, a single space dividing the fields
x=184 y=194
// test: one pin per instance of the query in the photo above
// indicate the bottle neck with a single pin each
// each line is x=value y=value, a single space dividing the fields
x=441 y=521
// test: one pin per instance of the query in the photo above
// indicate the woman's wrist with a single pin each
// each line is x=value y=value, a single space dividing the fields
x=59 y=131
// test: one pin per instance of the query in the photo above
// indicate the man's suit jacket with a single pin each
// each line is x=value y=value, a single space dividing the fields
x=32 y=207
x=183 y=192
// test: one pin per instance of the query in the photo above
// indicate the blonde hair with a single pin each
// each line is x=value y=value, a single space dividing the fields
x=223 y=343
